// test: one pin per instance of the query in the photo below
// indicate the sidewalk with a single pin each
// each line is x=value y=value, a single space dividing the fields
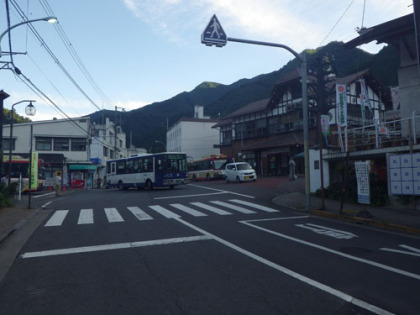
x=395 y=217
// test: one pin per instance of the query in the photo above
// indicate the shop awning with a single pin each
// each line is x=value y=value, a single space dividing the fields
x=81 y=167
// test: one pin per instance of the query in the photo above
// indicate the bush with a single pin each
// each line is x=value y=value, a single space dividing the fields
x=378 y=191
x=6 y=192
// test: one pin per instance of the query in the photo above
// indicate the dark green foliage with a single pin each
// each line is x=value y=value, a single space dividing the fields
x=378 y=191
x=6 y=193
x=149 y=124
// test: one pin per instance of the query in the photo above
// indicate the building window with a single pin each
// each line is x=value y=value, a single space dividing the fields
x=105 y=151
x=78 y=144
x=43 y=144
x=61 y=144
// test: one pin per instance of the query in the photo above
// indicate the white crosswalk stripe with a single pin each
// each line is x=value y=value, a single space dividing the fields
x=188 y=210
x=113 y=215
x=57 y=218
x=253 y=205
x=85 y=216
x=233 y=207
x=139 y=214
x=165 y=212
x=210 y=208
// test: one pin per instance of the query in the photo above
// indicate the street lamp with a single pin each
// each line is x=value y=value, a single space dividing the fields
x=49 y=19
x=30 y=111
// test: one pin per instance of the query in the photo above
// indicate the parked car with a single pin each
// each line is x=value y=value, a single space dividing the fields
x=239 y=172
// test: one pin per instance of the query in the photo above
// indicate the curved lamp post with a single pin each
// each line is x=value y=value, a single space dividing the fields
x=49 y=19
x=30 y=111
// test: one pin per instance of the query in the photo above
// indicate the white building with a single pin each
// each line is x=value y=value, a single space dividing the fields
x=62 y=144
x=193 y=136
x=74 y=147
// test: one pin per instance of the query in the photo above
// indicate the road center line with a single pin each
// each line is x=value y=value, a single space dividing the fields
x=222 y=191
x=302 y=278
x=97 y=248
x=326 y=249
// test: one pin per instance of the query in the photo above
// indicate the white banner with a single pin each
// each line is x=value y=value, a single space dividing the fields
x=341 y=104
x=362 y=176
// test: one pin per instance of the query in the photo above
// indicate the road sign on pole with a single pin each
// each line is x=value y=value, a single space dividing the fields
x=214 y=34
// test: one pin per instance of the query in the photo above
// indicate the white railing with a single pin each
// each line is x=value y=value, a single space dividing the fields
x=382 y=134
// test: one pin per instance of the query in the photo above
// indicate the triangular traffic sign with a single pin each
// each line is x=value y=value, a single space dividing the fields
x=214 y=34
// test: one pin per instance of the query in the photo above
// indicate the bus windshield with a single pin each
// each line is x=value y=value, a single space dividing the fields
x=175 y=163
x=219 y=164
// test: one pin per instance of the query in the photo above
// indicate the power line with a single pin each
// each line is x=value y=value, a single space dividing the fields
x=339 y=19
x=49 y=51
x=70 y=48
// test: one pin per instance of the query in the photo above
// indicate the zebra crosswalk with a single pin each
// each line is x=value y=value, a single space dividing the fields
x=171 y=211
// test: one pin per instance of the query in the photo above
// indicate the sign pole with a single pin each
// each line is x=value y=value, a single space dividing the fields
x=214 y=34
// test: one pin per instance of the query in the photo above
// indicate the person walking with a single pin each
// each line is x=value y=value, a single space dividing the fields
x=57 y=184
x=292 y=168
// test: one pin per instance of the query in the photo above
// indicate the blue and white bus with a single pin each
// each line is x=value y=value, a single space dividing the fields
x=147 y=171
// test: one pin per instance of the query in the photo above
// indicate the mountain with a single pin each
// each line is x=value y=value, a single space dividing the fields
x=148 y=124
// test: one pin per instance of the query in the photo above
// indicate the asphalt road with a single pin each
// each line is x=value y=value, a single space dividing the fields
x=206 y=248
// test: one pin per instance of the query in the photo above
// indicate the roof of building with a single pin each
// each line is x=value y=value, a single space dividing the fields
x=250 y=108
x=386 y=32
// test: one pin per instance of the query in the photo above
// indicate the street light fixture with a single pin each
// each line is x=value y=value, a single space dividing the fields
x=49 y=19
x=30 y=111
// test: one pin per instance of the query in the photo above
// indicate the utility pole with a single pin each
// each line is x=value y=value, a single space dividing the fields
x=3 y=96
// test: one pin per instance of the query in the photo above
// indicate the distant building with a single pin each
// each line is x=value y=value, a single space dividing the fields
x=193 y=136
x=74 y=147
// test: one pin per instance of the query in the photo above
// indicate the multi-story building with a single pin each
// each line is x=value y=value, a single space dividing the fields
x=193 y=136
x=74 y=147
x=269 y=132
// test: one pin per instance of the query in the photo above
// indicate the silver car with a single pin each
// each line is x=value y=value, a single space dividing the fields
x=239 y=172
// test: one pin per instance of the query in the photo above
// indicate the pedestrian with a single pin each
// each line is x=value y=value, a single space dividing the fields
x=98 y=182
x=57 y=184
x=292 y=168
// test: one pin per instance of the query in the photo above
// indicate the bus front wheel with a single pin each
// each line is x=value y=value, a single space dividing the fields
x=149 y=184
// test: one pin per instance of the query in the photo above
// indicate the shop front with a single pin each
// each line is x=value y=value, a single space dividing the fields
x=81 y=175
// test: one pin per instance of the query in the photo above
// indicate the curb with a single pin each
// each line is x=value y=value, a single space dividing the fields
x=369 y=222
x=17 y=226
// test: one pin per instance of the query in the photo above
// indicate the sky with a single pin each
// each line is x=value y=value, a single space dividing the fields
x=124 y=54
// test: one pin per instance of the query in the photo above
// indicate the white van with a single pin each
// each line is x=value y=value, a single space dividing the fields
x=239 y=172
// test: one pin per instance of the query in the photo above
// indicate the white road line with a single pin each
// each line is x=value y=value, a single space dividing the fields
x=85 y=216
x=165 y=212
x=233 y=207
x=222 y=191
x=326 y=249
x=189 y=196
x=97 y=248
x=57 y=218
x=46 y=204
x=273 y=219
x=339 y=294
x=210 y=208
x=253 y=205
x=188 y=210
x=139 y=214
x=113 y=215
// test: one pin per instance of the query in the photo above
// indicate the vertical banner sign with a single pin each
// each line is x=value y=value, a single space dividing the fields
x=362 y=176
x=364 y=96
x=341 y=101
x=34 y=171
x=325 y=125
